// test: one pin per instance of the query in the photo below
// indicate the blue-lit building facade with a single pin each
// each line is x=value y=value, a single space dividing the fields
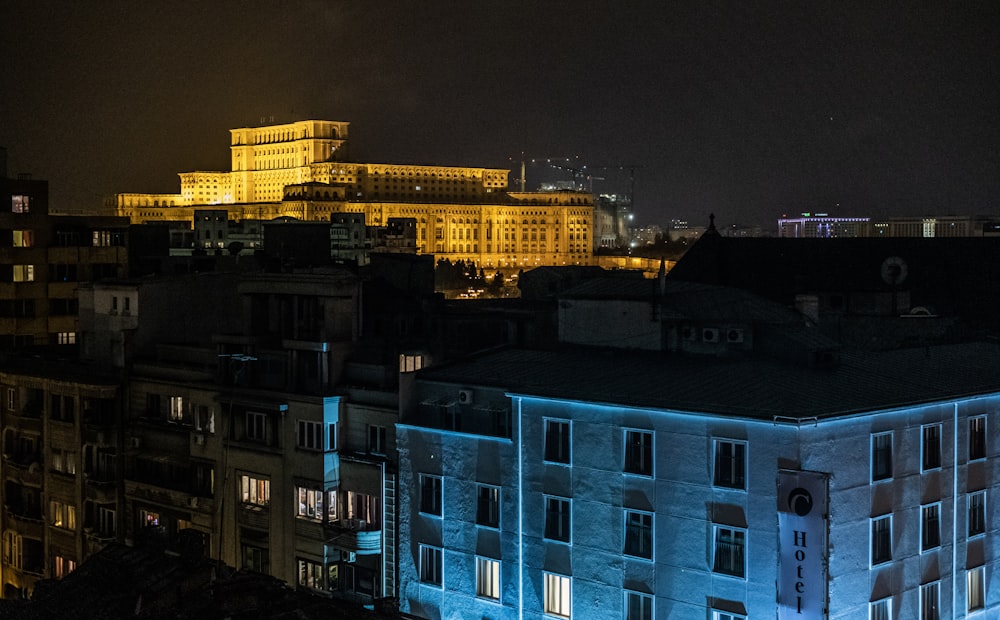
x=597 y=484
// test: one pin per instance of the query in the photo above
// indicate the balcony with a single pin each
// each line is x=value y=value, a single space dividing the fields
x=355 y=535
x=253 y=515
x=25 y=468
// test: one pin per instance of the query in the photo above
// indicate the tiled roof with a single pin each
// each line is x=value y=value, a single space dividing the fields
x=743 y=387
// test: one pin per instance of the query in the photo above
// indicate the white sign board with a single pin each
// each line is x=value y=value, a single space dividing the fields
x=802 y=510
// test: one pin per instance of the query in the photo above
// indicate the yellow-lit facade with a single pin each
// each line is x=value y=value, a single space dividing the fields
x=300 y=170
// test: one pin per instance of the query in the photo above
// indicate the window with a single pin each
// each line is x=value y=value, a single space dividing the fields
x=11 y=399
x=488 y=506
x=930 y=527
x=977 y=513
x=730 y=464
x=376 y=439
x=310 y=574
x=66 y=338
x=20 y=203
x=977 y=438
x=557 y=441
x=255 y=559
x=331 y=436
x=310 y=504
x=880 y=610
x=106 y=521
x=430 y=565
x=730 y=558
x=881 y=456
x=638 y=606
x=256 y=491
x=24 y=273
x=639 y=534
x=929 y=601
x=558 y=595
x=24 y=238
x=881 y=539
x=205 y=420
x=62 y=515
x=64 y=461
x=310 y=435
x=256 y=426
x=430 y=495
x=63 y=566
x=975 y=595
x=930 y=447
x=488 y=578
x=557 y=519
x=639 y=452
x=177 y=409
x=12 y=549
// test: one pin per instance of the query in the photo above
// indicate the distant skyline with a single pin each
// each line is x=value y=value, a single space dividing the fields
x=745 y=110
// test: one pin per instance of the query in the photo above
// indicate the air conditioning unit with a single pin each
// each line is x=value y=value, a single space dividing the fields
x=710 y=334
x=465 y=397
x=348 y=556
x=734 y=335
x=193 y=502
x=199 y=440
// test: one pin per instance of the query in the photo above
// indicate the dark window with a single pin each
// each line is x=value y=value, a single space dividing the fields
x=639 y=534
x=430 y=495
x=557 y=441
x=881 y=540
x=977 y=438
x=729 y=551
x=557 y=519
x=639 y=452
x=488 y=506
x=730 y=464
x=881 y=456
x=931 y=447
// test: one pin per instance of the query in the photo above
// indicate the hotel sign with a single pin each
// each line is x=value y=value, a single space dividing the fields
x=802 y=510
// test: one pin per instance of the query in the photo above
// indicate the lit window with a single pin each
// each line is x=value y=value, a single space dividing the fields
x=729 y=555
x=929 y=595
x=63 y=515
x=177 y=409
x=881 y=456
x=639 y=534
x=880 y=610
x=310 y=435
x=488 y=506
x=975 y=583
x=310 y=574
x=205 y=420
x=430 y=565
x=488 y=578
x=930 y=447
x=20 y=204
x=557 y=441
x=24 y=273
x=430 y=495
x=977 y=438
x=310 y=504
x=557 y=519
x=376 y=439
x=558 y=595
x=63 y=566
x=256 y=491
x=930 y=527
x=638 y=452
x=730 y=464
x=725 y=615
x=881 y=539
x=24 y=238
x=977 y=513
x=638 y=606
x=66 y=338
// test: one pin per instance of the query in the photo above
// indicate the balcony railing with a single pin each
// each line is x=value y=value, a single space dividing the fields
x=356 y=535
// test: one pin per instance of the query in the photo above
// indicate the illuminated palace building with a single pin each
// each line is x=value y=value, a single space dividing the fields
x=301 y=170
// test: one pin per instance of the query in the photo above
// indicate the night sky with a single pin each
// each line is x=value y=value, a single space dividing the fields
x=747 y=110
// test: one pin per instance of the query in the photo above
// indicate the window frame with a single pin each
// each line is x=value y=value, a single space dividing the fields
x=738 y=468
x=430 y=569
x=377 y=437
x=726 y=615
x=256 y=426
x=737 y=532
x=250 y=490
x=492 y=580
x=969 y=512
x=553 y=451
x=935 y=452
x=314 y=498
x=935 y=587
x=630 y=465
x=564 y=520
x=927 y=544
x=873 y=608
x=639 y=528
x=872 y=560
x=974 y=445
x=562 y=597
x=875 y=451
x=491 y=507
x=309 y=435
x=981 y=581
x=646 y=603
x=435 y=497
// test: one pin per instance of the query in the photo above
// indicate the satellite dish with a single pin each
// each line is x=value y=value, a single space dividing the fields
x=894 y=270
